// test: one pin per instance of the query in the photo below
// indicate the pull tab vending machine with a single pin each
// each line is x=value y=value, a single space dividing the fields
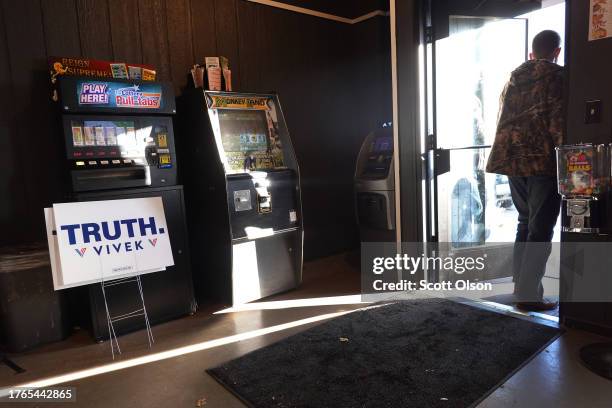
x=119 y=140
x=242 y=184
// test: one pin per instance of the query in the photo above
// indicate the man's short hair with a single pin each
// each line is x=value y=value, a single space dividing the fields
x=545 y=43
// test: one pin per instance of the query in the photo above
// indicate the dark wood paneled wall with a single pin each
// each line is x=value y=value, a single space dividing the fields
x=589 y=65
x=329 y=76
x=342 y=8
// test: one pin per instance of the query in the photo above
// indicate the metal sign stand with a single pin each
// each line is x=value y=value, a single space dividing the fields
x=134 y=313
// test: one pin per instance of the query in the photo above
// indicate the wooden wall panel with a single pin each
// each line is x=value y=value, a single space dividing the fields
x=203 y=29
x=317 y=67
x=31 y=110
x=61 y=34
x=125 y=30
x=13 y=206
x=94 y=28
x=154 y=37
x=179 y=38
x=227 y=36
x=587 y=80
x=249 y=44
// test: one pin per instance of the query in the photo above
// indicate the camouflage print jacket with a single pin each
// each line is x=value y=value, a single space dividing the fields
x=531 y=121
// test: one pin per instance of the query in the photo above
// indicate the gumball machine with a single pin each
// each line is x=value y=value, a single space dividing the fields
x=584 y=177
x=583 y=173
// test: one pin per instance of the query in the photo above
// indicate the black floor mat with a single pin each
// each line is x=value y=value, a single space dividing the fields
x=426 y=353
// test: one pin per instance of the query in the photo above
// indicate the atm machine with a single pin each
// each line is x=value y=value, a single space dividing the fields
x=242 y=186
x=120 y=144
x=375 y=187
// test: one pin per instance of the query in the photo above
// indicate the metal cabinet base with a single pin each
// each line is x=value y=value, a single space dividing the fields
x=168 y=294
x=595 y=317
x=264 y=266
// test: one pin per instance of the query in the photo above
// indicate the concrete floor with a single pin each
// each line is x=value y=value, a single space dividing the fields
x=172 y=373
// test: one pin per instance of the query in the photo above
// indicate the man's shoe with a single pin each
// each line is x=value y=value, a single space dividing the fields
x=538 y=306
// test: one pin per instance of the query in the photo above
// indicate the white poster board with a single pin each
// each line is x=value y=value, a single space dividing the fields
x=102 y=240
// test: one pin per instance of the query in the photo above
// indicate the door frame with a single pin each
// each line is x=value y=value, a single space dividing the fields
x=416 y=199
x=407 y=36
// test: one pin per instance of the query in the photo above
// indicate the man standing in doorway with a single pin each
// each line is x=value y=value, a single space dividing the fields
x=530 y=126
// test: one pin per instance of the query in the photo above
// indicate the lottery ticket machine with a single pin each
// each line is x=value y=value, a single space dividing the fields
x=242 y=187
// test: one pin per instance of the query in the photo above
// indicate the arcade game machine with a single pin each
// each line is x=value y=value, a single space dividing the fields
x=242 y=186
x=375 y=187
x=120 y=144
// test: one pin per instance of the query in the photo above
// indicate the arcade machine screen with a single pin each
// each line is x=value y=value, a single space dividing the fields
x=103 y=133
x=250 y=140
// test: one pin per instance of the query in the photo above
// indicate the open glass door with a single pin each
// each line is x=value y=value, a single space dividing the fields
x=470 y=211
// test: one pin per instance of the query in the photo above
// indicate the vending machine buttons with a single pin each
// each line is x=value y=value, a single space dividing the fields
x=116 y=161
x=80 y=163
x=104 y=162
x=92 y=162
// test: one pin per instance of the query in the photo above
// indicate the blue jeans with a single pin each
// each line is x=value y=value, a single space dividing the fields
x=538 y=205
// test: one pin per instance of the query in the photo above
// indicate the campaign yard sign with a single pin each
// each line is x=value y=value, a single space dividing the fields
x=102 y=240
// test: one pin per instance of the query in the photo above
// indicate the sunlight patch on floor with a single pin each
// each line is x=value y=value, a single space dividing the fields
x=120 y=365
x=287 y=304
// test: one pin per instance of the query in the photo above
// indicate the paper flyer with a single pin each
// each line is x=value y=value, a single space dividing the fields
x=600 y=19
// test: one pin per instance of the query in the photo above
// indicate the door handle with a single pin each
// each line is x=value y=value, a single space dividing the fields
x=440 y=159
